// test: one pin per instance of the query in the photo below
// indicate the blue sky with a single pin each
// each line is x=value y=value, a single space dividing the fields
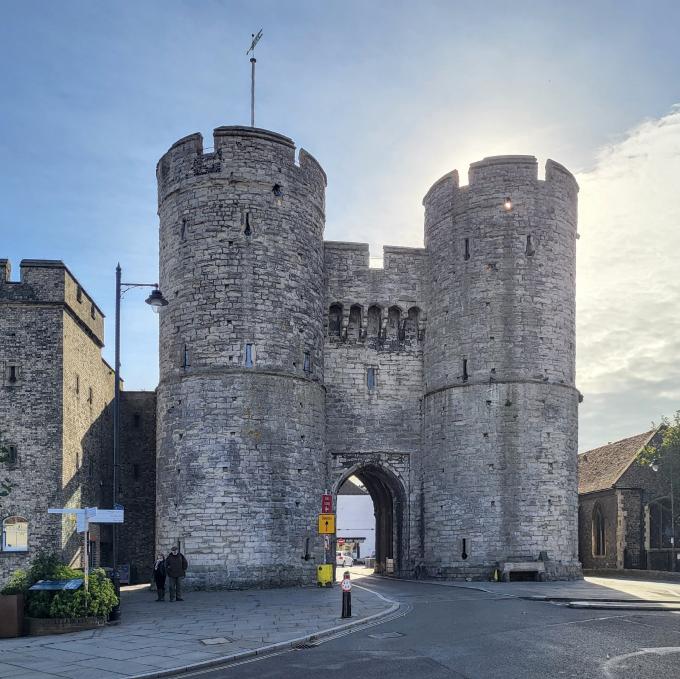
x=388 y=96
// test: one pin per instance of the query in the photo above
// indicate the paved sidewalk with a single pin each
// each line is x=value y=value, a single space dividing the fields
x=589 y=589
x=153 y=637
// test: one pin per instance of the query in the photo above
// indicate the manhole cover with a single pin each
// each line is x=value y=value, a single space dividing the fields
x=386 y=635
x=216 y=640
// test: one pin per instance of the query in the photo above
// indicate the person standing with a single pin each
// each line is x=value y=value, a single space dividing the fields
x=176 y=567
x=159 y=576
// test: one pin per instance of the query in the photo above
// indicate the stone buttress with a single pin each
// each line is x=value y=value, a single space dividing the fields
x=241 y=426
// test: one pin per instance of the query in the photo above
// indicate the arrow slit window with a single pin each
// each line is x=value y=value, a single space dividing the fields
x=371 y=378
x=15 y=534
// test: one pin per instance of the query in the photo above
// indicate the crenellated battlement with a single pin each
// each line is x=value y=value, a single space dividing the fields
x=47 y=281
x=492 y=181
x=240 y=154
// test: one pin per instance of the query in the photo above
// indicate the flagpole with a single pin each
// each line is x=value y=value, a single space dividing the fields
x=253 y=61
x=252 y=92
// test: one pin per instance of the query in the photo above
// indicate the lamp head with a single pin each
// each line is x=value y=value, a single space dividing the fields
x=156 y=300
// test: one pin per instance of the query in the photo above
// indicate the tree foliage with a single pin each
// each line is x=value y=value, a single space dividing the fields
x=665 y=454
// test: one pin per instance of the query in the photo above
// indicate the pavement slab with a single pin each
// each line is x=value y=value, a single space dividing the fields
x=156 y=637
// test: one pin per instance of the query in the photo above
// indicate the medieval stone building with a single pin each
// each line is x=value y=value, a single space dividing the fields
x=56 y=425
x=625 y=508
x=444 y=380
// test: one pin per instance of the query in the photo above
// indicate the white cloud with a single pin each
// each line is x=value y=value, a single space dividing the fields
x=628 y=283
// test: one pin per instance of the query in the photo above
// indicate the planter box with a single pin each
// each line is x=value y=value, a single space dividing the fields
x=42 y=626
x=11 y=615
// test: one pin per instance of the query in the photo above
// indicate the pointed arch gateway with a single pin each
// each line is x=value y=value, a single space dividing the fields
x=389 y=505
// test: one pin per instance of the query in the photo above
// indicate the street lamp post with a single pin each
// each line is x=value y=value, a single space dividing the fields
x=155 y=300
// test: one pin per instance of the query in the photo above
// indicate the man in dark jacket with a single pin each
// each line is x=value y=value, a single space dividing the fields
x=176 y=567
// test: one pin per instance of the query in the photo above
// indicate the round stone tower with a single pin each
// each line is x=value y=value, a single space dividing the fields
x=241 y=400
x=500 y=408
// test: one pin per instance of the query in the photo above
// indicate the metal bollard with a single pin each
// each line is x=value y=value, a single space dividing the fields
x=346 y=596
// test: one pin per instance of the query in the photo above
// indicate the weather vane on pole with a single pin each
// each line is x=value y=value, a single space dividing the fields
x=256 y=39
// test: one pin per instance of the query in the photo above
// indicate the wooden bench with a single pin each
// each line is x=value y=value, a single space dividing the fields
x=507 y=567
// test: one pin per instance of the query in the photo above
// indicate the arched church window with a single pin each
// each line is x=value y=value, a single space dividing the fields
x=599 y=535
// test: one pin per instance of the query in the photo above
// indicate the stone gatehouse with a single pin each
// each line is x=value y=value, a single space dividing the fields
x=443 y=380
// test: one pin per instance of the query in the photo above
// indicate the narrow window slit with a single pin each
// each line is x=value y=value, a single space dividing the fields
x=371 y=378
x=247 y=231
x=249 y=356
x=465 y=370
x=466 y=256
x=530 y=247
x=185 y=357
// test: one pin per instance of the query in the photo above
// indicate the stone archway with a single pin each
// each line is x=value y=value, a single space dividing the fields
x=389 y=505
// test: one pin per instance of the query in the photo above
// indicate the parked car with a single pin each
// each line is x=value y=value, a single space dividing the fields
x=343 y=560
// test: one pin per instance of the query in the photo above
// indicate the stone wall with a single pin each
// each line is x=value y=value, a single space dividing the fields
x=500 y=408
x=51 y=331
x=609 y=505
x=241 y=463
x=138 y=482
x=376 y=318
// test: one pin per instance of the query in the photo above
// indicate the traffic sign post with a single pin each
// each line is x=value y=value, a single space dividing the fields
x=326 y=504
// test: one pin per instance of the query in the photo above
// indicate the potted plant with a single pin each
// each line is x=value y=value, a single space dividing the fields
x=12 y=597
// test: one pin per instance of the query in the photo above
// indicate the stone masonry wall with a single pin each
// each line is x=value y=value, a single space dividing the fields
x=138 y=482
x=30 y=409
x=608 y=504
x=500 y=410
x=52 y=331
x=241 y=464
x=377 y=425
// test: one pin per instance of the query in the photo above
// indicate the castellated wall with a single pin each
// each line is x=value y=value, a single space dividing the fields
x=241 y=429
x=376 y=319
x=500 y=406
x=56 y=410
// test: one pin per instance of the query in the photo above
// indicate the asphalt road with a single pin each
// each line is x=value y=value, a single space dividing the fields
x=452 y=632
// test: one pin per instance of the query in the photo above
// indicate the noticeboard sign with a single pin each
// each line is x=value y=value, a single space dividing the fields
x=326 y=504
x=57 y=585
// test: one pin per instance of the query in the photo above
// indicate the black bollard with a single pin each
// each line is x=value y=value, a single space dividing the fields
x=346 y=596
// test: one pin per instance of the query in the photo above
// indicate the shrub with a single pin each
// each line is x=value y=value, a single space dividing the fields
x=99 y=600
x=38 y=604
x=48 y=566
x=17 y=584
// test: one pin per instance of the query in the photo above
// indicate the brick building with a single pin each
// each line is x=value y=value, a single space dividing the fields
x=56 y=396
x=624 y=508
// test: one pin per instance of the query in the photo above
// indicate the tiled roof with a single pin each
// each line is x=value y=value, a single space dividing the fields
x=601 y=468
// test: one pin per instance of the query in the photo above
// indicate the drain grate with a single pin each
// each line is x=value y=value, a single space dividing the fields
x=386 y=635
x=306 y=644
